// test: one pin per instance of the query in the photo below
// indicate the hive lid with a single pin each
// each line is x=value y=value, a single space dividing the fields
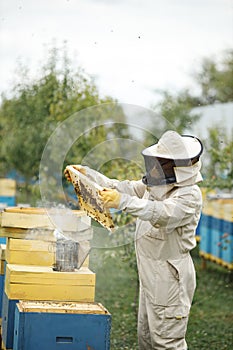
x=62 y=307
x=45 y=218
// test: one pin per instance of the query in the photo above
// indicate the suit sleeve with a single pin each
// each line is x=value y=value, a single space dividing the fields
x=132 y=188
x=169 y=213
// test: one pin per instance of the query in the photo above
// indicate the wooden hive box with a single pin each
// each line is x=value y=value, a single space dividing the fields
x=29 y=252
x=8 y=319
x=61 y=326
x=42 y=283
x=40 y=223
x=38 y=252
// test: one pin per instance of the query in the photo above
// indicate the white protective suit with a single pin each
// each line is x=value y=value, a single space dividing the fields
x=167 y=217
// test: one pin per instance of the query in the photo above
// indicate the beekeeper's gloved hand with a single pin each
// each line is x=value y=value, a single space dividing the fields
x=110 y=197
x=80 y=168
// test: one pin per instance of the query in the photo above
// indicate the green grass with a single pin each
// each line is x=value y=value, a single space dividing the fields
x=211 y=319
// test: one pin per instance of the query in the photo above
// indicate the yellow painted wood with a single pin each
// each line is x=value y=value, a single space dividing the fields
x=29 y=252
x=62 y=307
x=44 y=275
x=30 y=258
x=2 y=258
x=2 y=267
x=20 y=233
x=2 y=251
x=7 y=187
x=50 y=292
x=42 y=283
x=28 y=245
x=4 y=348
x=34 y=252
x=228 y=211
x=45 y=218
x=219 y=208
x=216 y=260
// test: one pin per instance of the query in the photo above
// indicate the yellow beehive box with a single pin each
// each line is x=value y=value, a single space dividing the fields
x=21 y=233
x=41 y=223
x=228 y=211
x=37 y=252
x=29 y=252
x=42 y=283
x=2 y=257
x=207 y=207
x=48 y=219
x=7 y=187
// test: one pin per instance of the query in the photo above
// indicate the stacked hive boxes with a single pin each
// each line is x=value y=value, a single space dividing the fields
x=71 y=326
x=216 y=229
x=30 y=277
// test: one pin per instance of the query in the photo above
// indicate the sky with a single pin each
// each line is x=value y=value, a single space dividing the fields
x=132 y=48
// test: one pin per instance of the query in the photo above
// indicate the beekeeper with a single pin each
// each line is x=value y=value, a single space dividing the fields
x=167 y=203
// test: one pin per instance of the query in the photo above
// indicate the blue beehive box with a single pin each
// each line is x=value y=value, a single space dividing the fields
x=61 y=326
x=216 y=234
x=1 y=292
x=227 y=241
x=8 y=315
x=9 y=201
x=2 y=240
x=205 y=233
x=198 y=229
x=2 y=274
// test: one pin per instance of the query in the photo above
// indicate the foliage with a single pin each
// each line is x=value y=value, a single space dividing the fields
x=176 y=111
x=216 y=79
x=35 y=108
x=219 y=172
x=215 y=83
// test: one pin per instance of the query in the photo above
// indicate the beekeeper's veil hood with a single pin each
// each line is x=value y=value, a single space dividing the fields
x=174 y=159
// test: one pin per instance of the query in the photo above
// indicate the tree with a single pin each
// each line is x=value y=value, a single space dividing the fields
x=215 y=82
x=215 y=79
x=176 y=111
x=219 y=172
x=37 y=106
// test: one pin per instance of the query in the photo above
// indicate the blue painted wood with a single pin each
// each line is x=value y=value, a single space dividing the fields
x=205 y=233
x=8 y=200
x=227 y=241
x=8 y=319
x=2 y=240
x=217 y=237
x=1 y=292
x=199 y=227
x=52 y=331
x=216 y=233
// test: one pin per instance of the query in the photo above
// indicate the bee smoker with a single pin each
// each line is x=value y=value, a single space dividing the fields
x=66 y=255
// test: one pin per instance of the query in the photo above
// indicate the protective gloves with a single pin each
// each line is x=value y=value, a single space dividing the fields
x=80 y=168
x=110 y=197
